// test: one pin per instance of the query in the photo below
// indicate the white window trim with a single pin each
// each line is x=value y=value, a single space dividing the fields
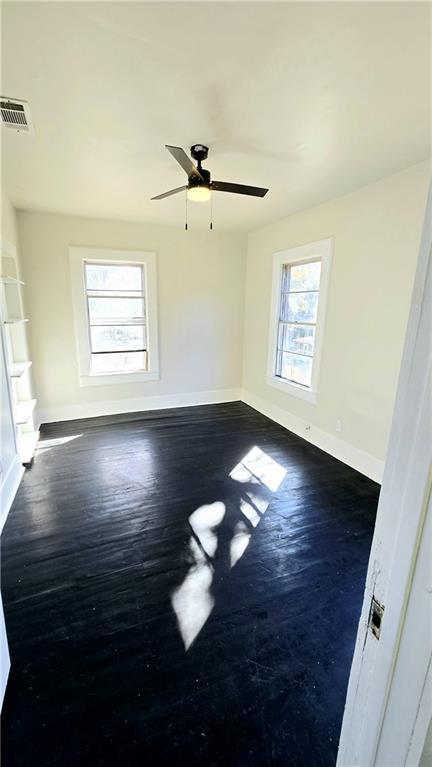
x=322 y=249
x=77 y=257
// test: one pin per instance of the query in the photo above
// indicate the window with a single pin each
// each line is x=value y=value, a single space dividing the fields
x=116 y=312
x=114 y=296
x=300 y=279
x=297 y=321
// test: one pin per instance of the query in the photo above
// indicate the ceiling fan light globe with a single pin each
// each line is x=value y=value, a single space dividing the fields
x=199 y=193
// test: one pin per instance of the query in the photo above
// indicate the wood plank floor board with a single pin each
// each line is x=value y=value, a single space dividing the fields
x=99 y=540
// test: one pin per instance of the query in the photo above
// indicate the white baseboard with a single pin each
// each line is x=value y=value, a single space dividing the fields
x=9 y=488
x=358 y=459
x=363 y=462
x=136 y=405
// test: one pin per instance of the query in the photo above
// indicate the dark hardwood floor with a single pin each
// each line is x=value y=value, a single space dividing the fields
x=142 y=635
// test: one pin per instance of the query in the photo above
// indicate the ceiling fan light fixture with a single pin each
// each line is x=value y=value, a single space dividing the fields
x=199 y=193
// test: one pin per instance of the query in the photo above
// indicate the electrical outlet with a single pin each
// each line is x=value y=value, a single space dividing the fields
x=338 y=425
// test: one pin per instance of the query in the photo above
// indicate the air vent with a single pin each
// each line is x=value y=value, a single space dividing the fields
x=15 y=114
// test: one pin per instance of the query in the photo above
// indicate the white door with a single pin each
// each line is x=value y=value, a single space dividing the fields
x=411 y=677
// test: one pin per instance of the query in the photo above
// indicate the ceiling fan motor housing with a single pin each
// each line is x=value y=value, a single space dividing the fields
x=199 y=152
x=197 y=181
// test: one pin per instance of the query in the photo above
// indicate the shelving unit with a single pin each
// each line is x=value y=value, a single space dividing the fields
x=17 y=369
x=23 y=410
x=18 y=364
x=10 y=280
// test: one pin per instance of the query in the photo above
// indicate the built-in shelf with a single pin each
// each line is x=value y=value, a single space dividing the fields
x=14 y=342
x=28 y=442
x=23 y=411
x=17 y=369
x=11 y=280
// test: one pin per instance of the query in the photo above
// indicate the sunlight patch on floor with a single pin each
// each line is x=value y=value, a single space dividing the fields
x=204 y=522
x=192 y=601
x=260 y=466
x=239 y=542
x=48 y=444
x=259 y=476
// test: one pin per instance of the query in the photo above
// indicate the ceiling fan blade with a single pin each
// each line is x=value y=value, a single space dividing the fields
x=180 y=155
x=168 y=194
x=226 y=186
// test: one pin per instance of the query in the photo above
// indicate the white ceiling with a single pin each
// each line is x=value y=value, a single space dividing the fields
x=310 y=99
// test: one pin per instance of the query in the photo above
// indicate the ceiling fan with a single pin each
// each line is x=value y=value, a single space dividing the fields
x=200 y=185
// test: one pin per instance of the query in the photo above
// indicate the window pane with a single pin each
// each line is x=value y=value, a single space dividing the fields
x=113 y=277
x=295 y=368
x=119 y=363
x=305 y=276
x=297 y=338
x=299 y=307
x=115 y=308
x=106 y=338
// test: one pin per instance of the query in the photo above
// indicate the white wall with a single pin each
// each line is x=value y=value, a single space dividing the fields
x=376 y=234
x=201 y=278
x=9 y=227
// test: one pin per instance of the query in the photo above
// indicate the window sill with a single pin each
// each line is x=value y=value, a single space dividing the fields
x=291 y=388
x=108 y=379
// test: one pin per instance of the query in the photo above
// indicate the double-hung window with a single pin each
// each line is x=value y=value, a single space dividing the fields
x=300 y=280
x=116 y=317
x=114 y=294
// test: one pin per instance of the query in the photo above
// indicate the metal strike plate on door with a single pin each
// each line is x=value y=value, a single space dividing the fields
x=375 y=617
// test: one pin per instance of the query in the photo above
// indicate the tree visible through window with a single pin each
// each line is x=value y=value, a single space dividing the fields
x=116 y=316
x=297 y=321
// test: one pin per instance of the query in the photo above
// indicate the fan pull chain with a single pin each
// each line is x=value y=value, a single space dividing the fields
x=186 y=221
x=211 y=212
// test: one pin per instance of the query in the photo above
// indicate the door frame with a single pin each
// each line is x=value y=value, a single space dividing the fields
x=398 y=530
